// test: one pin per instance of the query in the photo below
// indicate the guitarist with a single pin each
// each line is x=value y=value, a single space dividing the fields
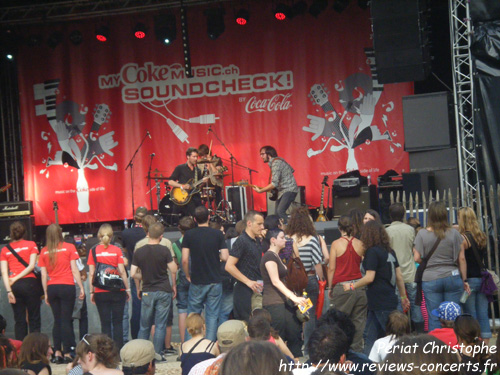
x=281 y=178
x=179 y=178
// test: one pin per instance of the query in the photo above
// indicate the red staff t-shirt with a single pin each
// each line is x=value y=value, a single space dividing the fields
x=24 y=249
x=61 y=272
x=112 y=255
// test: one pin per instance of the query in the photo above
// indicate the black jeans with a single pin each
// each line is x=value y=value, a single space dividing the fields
x=27 y=293
x=62 y=301
x=285 y=322
x=242 y=301
x=110 y=306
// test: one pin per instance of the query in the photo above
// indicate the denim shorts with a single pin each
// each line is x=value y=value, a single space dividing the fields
x=182 y=295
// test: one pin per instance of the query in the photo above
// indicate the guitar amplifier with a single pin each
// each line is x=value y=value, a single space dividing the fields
x=300 y=200
x=346 y=187
x=237 y=198
x=9 y=209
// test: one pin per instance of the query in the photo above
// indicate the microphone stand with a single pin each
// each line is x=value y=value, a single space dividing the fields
x=131 y=166
x=148 y=184
x=233 y=164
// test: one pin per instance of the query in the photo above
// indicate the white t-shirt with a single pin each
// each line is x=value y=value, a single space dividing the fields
x=381 y=348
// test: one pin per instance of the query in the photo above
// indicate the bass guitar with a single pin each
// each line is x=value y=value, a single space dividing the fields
x=272 y=195
x=181 y=196
x=321 y=209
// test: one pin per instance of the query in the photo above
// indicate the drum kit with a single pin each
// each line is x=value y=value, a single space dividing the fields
x=212 y=197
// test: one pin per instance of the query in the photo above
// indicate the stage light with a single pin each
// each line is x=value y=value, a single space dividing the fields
x=76 y=37
x=165 y=28
x=242 y=17
x=215 y=22
x=282 y=11
x=140 y=30
x=340 y=5
x=317 y=7
x=102 y=33
x=55 y=39
x=9 y=56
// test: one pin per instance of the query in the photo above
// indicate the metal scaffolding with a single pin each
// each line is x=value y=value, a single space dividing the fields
x=461 y=30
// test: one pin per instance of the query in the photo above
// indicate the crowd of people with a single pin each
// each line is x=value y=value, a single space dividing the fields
x=388 y=287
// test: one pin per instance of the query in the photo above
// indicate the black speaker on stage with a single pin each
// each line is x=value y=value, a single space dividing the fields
x=5 y=223
x=300 y=200
x=237 y=198
x=400 y=40
x=418 y=181
x=342 y=205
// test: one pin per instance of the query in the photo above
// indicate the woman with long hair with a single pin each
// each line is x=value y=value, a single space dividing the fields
x=35 y=354
x=371 y=215
x=475 y=243
x=356 y=216
x=23 y=288
x=59 y=272
x=445 y=277
x=110 y=304
x=98 y=355
x=382 y=276
x=346 y=255
x=275 y=294
x=308 y=246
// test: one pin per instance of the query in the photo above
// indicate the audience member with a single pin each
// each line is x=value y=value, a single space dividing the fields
x=138 y=357
x=398 y=325
x=22 y=286
x=7 y=353
x=154 y=262
x=229 y=334
x=244 y=265
x=346 y=254
x=274 y=334
x=206 y=248
x=475 y=243
x=371 y=215
x=356 y=216
x=197 y=348
x=35 y=354
x=472 y=348
x=98 y=355
x=447 y=312
x=382 y=277
x=445 y=277
x=16 y=344
x=110 y=304
x=59 y=272
x=259 y=328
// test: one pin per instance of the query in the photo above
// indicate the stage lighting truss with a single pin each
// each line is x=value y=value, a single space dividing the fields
x=242 y=17
x=215 y=22
x=102 y=33
x=140 y=30
x=165 y=28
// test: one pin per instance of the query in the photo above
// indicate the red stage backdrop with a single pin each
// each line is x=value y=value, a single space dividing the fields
x=304 y=86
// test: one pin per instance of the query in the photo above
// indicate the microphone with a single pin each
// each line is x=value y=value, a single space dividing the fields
x=149 y=135
x=152 y=155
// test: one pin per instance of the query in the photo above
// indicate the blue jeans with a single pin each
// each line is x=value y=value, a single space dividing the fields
x=126 y=322
x=415 y=311
x=135 y=320
x=312 y=290
x=283 y=203
x=182 y=295
x=477 y=306
x=226 y=306
x=208 y=297
x=375 y=327
x=437 y=291
x=154 y=310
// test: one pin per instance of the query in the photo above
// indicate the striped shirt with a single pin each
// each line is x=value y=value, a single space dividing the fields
x=311 y=254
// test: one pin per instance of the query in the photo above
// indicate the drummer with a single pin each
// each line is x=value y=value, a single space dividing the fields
x=213 y=165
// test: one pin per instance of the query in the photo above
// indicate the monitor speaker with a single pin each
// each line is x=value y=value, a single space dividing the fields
x=342 y=205
x=5 y=222
x=237 y=198
x=300 y=200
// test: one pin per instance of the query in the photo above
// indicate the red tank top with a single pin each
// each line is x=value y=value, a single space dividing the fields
x=348 y=265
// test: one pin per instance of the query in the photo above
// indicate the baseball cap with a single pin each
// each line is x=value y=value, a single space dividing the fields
x=137 y=353
x=230 y=334
x=447 y=311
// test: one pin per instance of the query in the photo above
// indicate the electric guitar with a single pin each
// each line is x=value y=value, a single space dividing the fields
x=321 y=209
x=5 y=188
x=273 y=194
x=181 y=197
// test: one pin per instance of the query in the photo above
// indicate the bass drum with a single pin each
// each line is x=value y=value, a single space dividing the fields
x=166 y=209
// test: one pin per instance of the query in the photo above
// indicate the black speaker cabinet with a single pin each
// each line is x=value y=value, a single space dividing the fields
x=300 y=200
x=28 y=221
x=237 y=198
x=418 y=181
x=342 y=205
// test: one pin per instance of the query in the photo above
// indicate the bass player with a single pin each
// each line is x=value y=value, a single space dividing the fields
x=281 y=179
x=180 y=178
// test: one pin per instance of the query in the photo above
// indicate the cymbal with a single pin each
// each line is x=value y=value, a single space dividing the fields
x=207 y=162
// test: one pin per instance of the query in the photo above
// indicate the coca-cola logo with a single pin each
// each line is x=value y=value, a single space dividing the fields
x=279 y=102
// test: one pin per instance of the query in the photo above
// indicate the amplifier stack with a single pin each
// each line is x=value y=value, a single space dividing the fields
x=16 y=211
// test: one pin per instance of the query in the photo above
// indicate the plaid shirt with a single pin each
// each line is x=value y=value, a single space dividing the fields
x=282 y=176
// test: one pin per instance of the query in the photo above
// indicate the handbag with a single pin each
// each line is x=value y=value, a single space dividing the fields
x=296 y=279
x=490 y=282
x=106 y=276
x=420 y=272
x=36 y=271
